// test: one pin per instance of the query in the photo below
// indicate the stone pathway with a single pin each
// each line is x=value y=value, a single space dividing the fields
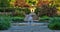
x=30 y=28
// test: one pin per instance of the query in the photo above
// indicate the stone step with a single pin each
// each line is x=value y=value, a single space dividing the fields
x=26 y=28
x=26 y=24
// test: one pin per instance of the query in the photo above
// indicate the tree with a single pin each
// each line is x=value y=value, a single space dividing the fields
x=12 y=3
x=4 y=3
x=49 y=9
x=32 y=2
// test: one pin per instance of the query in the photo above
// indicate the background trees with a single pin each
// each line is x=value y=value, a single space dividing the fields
x=4 y=3
x=47 y=8
x=32 y=2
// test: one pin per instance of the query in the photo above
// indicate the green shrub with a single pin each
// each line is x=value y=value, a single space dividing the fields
x=1 y=10
x=54 y=24
x=17 y=19
x=57 y=15
x=37 y=10
x=4 y=23
x=20 y=12
x=7 y=10
x=26 y=10
x=44 y=19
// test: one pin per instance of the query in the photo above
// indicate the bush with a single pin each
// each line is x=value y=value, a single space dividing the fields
x=17 y=19
x=44 y=19
x=4 y=23
x=21 y=12
x=37 y=10
x=27 y=11
x=49 y=10
x=7 y=10
x=1 y=10
x=57 y=15
x=54 y=24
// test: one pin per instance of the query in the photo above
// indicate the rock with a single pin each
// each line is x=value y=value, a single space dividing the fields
x=35 y=17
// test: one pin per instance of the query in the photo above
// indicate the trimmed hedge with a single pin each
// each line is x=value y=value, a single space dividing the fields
x=17 y=19
x=44 y=19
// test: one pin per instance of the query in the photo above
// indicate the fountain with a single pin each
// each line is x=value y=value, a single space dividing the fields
x=32 y=16
x=32 y=9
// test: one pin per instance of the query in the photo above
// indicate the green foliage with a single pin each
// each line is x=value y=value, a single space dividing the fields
x=37 y=10
x=20 y=12
x=12 y=1
x=17 y=19
x=7 y=10
x=32 y=2
x=44 y=19
x=4 y=23
x=16 y=11
x=57 y=1
x=1 y=10
x=54 y=24
x=27 y=11
x=4 y=3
